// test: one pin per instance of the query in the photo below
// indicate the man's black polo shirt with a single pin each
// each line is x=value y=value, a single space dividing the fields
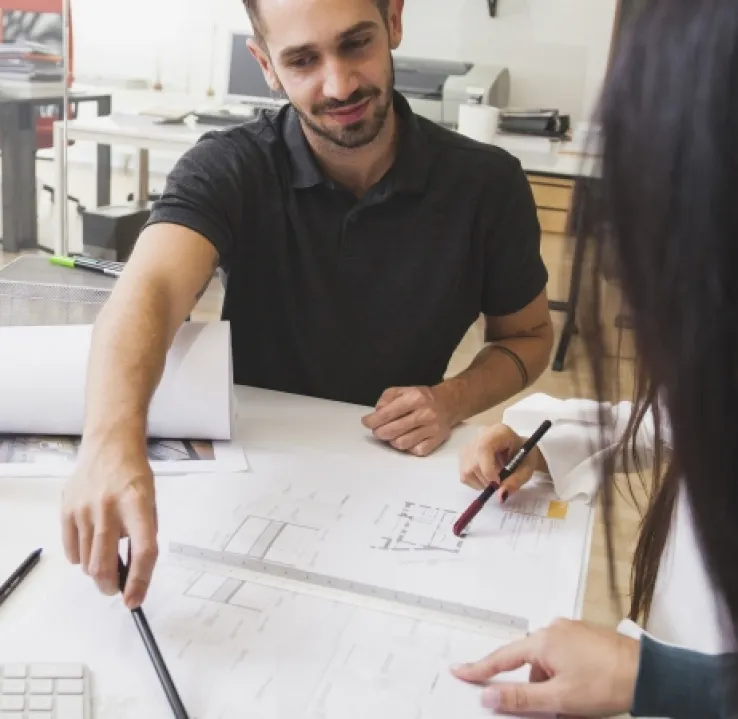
x=335 y=297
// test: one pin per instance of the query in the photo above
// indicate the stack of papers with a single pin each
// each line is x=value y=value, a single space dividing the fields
x=30 y=61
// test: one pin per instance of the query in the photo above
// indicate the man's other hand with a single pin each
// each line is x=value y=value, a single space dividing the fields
x=411 y=419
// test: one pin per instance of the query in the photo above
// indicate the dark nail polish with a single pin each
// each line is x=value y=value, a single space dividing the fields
x=504 y=495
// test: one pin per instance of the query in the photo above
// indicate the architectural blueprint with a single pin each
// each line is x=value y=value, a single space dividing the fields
x=418 y=528
x=236 y=649
x=341 y=525
x=286 y=593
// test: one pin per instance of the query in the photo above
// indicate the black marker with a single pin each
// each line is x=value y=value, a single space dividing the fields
x=476 y=506
x=19 y=575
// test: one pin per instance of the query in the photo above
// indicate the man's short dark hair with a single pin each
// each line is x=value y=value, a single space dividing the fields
x=252 y=8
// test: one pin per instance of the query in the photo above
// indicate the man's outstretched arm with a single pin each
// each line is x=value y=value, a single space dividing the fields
x=111 y=493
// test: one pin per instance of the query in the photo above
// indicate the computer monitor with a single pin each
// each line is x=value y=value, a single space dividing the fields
x=246 y=83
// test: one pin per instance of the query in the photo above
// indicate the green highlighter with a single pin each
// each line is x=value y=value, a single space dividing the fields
x=112 y=269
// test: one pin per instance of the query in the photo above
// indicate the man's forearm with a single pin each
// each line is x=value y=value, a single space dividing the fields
x=130 y=342
x=498 y=372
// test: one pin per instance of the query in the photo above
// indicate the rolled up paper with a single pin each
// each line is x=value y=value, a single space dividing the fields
x=43 y=374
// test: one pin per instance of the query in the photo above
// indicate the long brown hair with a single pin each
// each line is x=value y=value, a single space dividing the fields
x=662 y=219
x=659 y=478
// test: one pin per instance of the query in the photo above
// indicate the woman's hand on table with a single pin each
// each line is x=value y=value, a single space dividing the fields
x=576 y=670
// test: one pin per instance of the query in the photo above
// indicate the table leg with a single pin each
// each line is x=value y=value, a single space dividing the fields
x=60 y=241
x=20 y=223
x=563 y=347
x=143 y=176
x=104 y=166
x=570 y=305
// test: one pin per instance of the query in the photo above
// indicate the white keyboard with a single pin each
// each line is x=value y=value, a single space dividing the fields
x=44 y=691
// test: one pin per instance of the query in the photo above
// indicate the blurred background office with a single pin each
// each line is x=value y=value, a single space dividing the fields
x=146 y=79
x=162 y=60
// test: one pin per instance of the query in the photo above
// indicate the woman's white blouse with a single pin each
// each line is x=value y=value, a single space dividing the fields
x=685 y=611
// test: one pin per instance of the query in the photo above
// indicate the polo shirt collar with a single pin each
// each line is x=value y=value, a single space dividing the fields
x=305 y=170
x=412 y=166
x=409 y=172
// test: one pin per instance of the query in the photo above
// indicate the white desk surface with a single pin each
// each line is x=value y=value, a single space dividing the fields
x=271 y=424
x=138 y=130
x=143 y=132
x=267 y=420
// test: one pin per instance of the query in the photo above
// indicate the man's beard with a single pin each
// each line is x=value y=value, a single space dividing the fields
x=360 y=133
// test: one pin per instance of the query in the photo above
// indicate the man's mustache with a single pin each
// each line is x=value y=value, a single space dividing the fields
x=356 y=97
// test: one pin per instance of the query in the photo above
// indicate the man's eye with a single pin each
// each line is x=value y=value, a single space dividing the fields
x=357 y=44
x=302 y=62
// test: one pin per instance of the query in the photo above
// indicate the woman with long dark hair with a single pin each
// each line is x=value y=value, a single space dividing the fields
x=663 y=221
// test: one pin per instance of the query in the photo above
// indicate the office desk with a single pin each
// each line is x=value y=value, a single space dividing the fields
x=280 y=432
x=19 y=103
x=145 y=134
x=141 y=132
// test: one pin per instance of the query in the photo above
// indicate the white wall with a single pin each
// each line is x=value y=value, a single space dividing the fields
x=180 y=42
x=556 y=50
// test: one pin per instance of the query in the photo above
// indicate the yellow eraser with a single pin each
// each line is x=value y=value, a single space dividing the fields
x=557 y=510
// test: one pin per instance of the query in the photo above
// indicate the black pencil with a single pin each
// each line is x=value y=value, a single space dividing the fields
x=19 y=574
x=151 y=647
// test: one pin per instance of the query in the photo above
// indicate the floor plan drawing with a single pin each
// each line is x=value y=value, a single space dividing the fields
x=418 y=528
x=286 y=527
x=234 y=592
x=338 y=660
x=271 y=540
x=270 y=655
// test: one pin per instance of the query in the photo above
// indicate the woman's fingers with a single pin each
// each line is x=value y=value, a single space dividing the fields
x=506 y=659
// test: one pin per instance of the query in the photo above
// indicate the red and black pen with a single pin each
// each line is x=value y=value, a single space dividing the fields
x=475 y=507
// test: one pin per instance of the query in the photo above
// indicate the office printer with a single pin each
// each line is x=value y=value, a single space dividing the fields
x=436 y=88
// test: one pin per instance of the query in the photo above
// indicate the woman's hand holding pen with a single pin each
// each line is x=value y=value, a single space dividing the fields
x=483 y=460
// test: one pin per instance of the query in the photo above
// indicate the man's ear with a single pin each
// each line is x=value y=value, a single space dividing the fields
x=394 y=21
x=265 y=62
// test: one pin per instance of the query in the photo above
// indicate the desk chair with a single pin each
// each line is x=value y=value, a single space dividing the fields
x=29 y=20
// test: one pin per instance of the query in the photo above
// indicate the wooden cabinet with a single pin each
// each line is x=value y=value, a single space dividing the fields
x=553 y=199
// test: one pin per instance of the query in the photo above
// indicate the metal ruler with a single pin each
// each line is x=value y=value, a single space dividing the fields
x=280 y=576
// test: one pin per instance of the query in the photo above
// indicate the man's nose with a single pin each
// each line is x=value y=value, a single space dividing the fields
x=339 y=80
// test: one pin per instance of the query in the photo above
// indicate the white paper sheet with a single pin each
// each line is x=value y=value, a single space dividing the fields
x=237 y=650
x=43 y=371
x=47 y=456
x=358 y=522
